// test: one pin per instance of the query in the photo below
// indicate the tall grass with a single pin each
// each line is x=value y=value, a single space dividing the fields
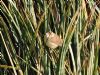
x=23 y=24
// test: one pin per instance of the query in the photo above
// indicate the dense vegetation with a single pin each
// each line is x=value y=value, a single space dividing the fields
x=23 y=24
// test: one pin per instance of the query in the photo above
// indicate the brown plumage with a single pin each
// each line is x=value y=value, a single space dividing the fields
x=52 y=40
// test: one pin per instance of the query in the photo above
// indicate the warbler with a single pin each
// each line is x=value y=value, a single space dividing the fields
x=52 y=40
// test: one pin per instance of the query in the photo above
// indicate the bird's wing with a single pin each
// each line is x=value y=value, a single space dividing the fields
x=56 y=40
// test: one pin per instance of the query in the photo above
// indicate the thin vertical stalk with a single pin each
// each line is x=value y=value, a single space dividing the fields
x=96 y=54
x=72 y=56
x=78 y=47
x=11 y=61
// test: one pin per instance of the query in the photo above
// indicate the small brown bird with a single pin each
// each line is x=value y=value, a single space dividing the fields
x=52 y=40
